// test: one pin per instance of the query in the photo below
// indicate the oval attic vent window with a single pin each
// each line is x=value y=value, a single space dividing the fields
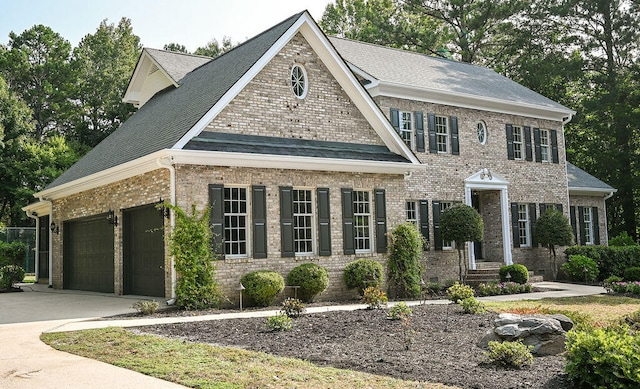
x=299 y=83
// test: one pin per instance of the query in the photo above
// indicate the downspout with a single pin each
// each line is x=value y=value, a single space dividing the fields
x=35 y=217
x=172 y=223
x=50 y=240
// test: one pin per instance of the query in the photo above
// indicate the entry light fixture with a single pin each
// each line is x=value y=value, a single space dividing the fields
x=485 y=173
x=112 y=218
x=54 y=228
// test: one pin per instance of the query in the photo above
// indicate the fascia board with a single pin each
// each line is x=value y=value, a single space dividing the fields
x=469 y=101
x=584 y=191
x=374 y=81
x=42 y=208
x=268 y=161
x=144 y=63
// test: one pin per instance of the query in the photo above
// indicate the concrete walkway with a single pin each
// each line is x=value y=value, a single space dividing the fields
x=26 y=362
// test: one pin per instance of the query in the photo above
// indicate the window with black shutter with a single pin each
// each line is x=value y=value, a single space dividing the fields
x=259 y=219
x=455 y=142
x=420 y=144
x=381 y=220
x=527 y=141
x=324 y=222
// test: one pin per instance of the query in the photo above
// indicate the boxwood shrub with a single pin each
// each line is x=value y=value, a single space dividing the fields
x=575 y=268
x=632 y=273
x=10 y=275
x=612 y=261
x=519 y=273
x=262 y=286
x=363 y=273
x=311 y=278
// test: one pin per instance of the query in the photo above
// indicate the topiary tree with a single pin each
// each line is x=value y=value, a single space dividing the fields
x=461 y=223
x=405 y=252
x=519 y=273
x=262 y=286
x=311 y=278
x=363 y=273
x=552 y=230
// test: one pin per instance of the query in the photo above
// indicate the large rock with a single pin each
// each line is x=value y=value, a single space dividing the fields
x=545 y=333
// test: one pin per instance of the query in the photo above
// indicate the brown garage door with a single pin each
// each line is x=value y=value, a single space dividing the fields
x=88 y=254
x=143 y=245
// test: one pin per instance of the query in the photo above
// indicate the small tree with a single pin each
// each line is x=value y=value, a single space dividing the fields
x=553 y=229
x=404 y=261
x=461 y=223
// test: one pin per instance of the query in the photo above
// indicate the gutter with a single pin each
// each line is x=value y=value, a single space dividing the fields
x=172 y=220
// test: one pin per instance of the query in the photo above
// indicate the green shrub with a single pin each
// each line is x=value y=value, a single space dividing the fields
x=611 y=260
x=622 y=240
x=13 y=253
x=461 y=223
x=472 y=305
x=632 y=273
x=434 y=287
x=280 y=322
x=146 y=307
x=496 y=289
x=374 y=297
x=603 y=358
x=9 y=275
x=405 y=252
x=575 y=268
x=510 y=354
x=632 y=322
x=311 y=278
x=459 y=292
x=363 y=273
x=262 y=286
x=292 y=307
x=519 y=273
x=399 y=311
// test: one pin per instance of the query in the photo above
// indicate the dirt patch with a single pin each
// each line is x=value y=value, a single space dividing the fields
x=443 y=345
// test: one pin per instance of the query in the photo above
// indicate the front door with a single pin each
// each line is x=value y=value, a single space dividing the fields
x=477 y=246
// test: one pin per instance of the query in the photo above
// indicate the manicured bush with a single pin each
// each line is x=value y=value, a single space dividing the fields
x=399 y=311
x=510 y=354
x=459 y=292
x=146 y=307
x=280 y=322
x=13 y=253
x=262 y=286
x=292 y=307
x=519 y=273
x=622 y=240
x=374 y=297
x=403 y=266
x=363 y=273
x=311 y=278
x=603 y=358
x=632 y=273
x=472 y=305
x=611 y=260
x=553 y=230
x=496 y=289
x=461 y=223
x=9 y=275
x=580 y=268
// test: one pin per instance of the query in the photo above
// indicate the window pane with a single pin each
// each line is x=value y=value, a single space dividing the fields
x=235 y=221
x=302 y=222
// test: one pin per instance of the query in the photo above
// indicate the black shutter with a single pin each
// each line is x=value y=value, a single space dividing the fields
x=395 y=119
x=348 y=240
x=533 y=219
x=216 y=218
x=574 y=227
x=324 y=222
x=596 y=226
x=554 y=146
x=381 y=221
x=286 y=222
x=431 y=127
x=455 y=142
x=424 y=220
x=536 y=141
x=514 y=225
x=543 y=209
x=510 y=154
x=419 y=117
x=437 y=237
x=583 y=238
x=560 y=208
x=259 y=213
x=527 y=142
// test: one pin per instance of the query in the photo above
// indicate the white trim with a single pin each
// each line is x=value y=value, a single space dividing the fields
x=585 y=191
x=145 y=61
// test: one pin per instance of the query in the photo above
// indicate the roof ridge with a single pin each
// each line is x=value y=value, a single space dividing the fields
x=178 y=53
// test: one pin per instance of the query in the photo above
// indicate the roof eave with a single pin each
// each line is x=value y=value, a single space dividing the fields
x=589 y=191
x=140 y=74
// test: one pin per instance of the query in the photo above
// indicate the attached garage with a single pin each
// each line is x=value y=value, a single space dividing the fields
x=89 y=254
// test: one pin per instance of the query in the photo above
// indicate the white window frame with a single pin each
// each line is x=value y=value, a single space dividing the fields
x=445 y=244
x=363 y=222
x=442 y=134
x=545 y=149
x=407 y=132
x=295 y=78
x=297 y=216
x=482 y=132
x=411 y=212
x=247 y=221
x=518 y=143
x=524 y=225
x=588 y=225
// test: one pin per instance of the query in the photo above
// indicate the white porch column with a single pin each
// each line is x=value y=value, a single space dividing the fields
x=470 y=246
x=506 y=226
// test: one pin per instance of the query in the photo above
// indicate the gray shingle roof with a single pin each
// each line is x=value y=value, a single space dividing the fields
x=423 y=71
x=578 y=178
x=177 y=65
x=255 y=144
x=171 y=113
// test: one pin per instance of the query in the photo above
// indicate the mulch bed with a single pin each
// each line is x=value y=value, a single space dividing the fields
x=443 y=345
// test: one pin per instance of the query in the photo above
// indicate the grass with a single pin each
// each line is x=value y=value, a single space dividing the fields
x=206 y=366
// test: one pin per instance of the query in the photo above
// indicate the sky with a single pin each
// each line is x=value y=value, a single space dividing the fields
x=191 y=23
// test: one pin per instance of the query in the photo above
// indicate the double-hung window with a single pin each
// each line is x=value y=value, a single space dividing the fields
x=303 y=221
x=446 y=245
x=411 y=208
x=524 y=225
x=517 y=142
x=587 y=225
x=544 y=145
x=406 y=129
x=362 y=217
x=442 y=134
x=235 y=222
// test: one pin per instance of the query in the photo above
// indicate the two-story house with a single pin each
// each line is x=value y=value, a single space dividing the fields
x=311 y=149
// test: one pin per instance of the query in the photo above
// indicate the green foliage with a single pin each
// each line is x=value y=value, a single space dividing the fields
x=13 y=253
x=280 y=322
x=632 y=273
x=472 y=306
x=623 y=239
x=399 y=311
x=580 y=268
x=311 y=278
x=292 y=307
x=405 y=252
x=603 y=358
x=496 y=289
x=189 y=245
x=214 y=48
x=374 y=297
x=519 y=273
x=510 y=354
x=552 y=230
x=363 y=273
x=632 y=287
x=146 y=307
x=9 y=275
x=262 y=286
x=612 y=261
x=461 y=223
x=459 y=292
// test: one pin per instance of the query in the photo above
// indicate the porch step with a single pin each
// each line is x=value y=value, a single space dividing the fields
x=483 y=265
